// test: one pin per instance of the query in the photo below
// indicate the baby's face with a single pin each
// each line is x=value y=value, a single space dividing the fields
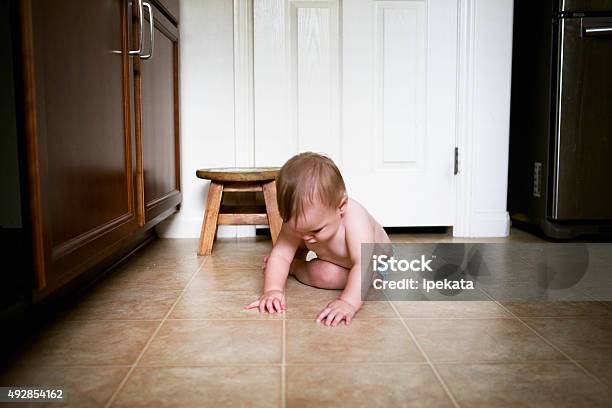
x=319 y=223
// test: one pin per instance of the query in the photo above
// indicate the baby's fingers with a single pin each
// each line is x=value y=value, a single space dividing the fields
x=330 y=317
x=252 y=305
x=338 y=319
x=277 y=305
x=270 y=305
x=322 y=315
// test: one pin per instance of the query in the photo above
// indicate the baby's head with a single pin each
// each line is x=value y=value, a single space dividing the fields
x=311 y=196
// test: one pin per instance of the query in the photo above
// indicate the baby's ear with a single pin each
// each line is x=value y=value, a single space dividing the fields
x=343 y=204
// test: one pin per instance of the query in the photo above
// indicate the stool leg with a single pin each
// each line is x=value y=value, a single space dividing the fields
x=209 y=224
x=274 y=219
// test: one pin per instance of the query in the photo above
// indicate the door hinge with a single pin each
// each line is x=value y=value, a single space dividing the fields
x=456 y=161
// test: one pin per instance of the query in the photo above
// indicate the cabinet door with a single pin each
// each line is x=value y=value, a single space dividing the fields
x=77 y=87
x=157 y=131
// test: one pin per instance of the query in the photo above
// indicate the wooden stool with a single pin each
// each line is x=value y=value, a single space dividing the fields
x=237 y=180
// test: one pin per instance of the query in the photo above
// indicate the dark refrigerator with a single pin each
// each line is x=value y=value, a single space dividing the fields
x=560 y=164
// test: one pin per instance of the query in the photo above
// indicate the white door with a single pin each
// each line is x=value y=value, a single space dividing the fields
x=370 y=83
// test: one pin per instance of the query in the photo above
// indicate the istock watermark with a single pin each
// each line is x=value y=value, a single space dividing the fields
x=427 y=285
x=486 y=271
x=384 y=263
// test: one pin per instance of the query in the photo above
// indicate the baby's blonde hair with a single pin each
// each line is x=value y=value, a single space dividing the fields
x=306 y=178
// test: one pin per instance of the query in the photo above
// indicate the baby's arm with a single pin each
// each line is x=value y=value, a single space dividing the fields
x=358 y=231
x=279 y=261
x=276 y=272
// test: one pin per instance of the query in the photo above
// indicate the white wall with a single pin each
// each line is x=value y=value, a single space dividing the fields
x=207 y=106
x=207 y=112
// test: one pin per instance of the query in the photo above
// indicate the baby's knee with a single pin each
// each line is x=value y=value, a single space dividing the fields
x=325 y=275
x=319 y=278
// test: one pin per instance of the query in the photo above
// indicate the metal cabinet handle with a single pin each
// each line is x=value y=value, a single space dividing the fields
x=141 y=18
x=598 y=30
x=151 y=32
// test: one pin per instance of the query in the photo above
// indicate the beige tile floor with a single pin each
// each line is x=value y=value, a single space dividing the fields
x=168 y=329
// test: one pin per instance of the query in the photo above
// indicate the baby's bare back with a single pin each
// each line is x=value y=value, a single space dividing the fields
x=336 y=249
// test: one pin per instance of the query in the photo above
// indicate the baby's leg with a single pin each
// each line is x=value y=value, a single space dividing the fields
x=319 y=273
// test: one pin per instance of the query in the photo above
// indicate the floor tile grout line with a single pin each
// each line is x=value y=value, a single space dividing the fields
x=545 y=340
x=112 y=398
x=429 y=363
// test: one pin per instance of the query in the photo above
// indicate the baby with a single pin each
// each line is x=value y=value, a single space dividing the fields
x=320 y=217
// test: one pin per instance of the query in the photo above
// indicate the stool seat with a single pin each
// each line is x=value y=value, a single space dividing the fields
x=239 y=174
x=238 y=180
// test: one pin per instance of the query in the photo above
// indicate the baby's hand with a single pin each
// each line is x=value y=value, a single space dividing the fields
x=272 y=301
x=336 y=311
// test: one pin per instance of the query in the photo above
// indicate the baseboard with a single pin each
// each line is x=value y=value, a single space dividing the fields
x=483 y=224
x=486 y=225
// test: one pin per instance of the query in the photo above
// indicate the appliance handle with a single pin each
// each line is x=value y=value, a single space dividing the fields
x=141 y=19
x=151 y=32
x=596 y=26
x=598 y=30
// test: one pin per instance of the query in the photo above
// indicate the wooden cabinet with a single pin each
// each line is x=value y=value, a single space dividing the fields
x=101 y=130
x=157 y=90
